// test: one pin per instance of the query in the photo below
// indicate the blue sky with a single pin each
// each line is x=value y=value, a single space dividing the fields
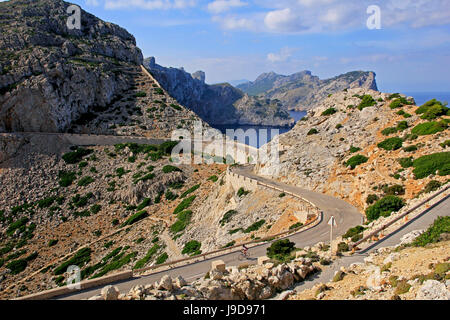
x=240 y=39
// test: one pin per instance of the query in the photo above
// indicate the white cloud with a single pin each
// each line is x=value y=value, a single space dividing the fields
x=219 y=6
x=234 y=23
x=314 y=16
x=282 y=56
x=150 y=4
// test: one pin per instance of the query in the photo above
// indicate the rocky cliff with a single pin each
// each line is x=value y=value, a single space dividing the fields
x=217 y=104
x=51 y=75
x=302 y=90
x=359 y=145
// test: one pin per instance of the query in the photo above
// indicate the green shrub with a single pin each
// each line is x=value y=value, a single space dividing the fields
x=227 y=217
x=342 y=247
x=329 y=112
x=82 y=257
x=76 y=156
x=430 y=164
x=184 y=218
x=338 y=126
x=432 y=234
x=410 y=148
x=445 y=144
x=229 y=244
x=150 y=253
x=406 y=162
x=66 y=178
x=339 y=276
x=389 y=131
x=117 y=263
x=162 y=258
x=296 y=225
x=192 y=248
x=213 y=178
x=402 y=287
x=85 y=181
x=169 y=168
x=402 y=125
x=353 y=231
x=397 y=103
x=354 y=149
x=20 y=224
x=96 y=208
x=140 y=94
x=372 y=198
x=189 y=191
x=144 y=204
x=355 y=161
x=255 y=226
x=384 y=207
x=17 y=266
x=367 y=101
x=52 y=242
x=391 y=144
x=184 y=204
x=433 y=185
x=135 y=218
x=242 y=192
x=429 y=128
x=80 y=201
x=46 y=203
x=394 y=190
x=159 y=91
x=312 y=131
x=170 y=196
x=281 y=250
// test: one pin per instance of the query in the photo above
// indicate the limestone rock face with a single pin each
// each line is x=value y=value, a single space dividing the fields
x=51 y=75
x=433 y=290
x=302 y=90
x=218 y=104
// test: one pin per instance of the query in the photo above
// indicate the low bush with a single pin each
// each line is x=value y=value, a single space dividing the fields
x=445 y=144
x=342 y=247
x=76 y=156
x=296 y=225
x=150 y=253
x=162 y=258
x=189 y=191
x=355 y=161
x=135 y=218
x=329 y=112
x=394 y=190
x=432 y=164
x=312 y=131
x=281 y=250
x=17 y=266
x=372 y=198
x=354 y=149
x=184 y=204
x=406 y=162
x=52 y=242
x=391 y=144
x=432 y=234
x=366 y=101
x=255 y=226
x=410 y=148
x=227 y=217
x=66 y=178
x=429 y=128
x=192 y=248
x=184 y=218
x=213 y=178
x=353 y=231
x=82 y=257
x=169 y=168
x=242 y=192
x=85 y=181
x=46 y=203
x=384 y=207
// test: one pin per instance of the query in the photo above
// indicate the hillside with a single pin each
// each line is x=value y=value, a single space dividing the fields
x=217 y=104
x=304 y=91
x=362 y=145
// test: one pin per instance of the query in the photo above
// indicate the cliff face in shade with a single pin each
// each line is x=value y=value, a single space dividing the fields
x=220 y=103
x=50 y=75
x=302 y=90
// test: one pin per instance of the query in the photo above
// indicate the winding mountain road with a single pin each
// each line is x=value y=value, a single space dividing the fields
x=345 y=214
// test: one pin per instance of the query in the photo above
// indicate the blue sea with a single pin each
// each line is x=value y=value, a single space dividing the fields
x=422 y=97
x=296 y=115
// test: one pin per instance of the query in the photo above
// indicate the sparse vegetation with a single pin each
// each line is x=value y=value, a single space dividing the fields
x=384 y=207
x=281 y=250
x=391 y=144
x=355 y=161
x=432 y=164
x=192 y=248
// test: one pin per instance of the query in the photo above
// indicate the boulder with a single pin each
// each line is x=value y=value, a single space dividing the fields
x=218 y=265
x=263 y=260
x=433 y=290
x=180 y=282
x=165 y=283
x=110 y=293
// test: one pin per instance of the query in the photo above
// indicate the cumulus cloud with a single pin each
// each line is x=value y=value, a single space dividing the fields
x=149 y=4
x=235 y=23
x=314 y=16
x=219 y=6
